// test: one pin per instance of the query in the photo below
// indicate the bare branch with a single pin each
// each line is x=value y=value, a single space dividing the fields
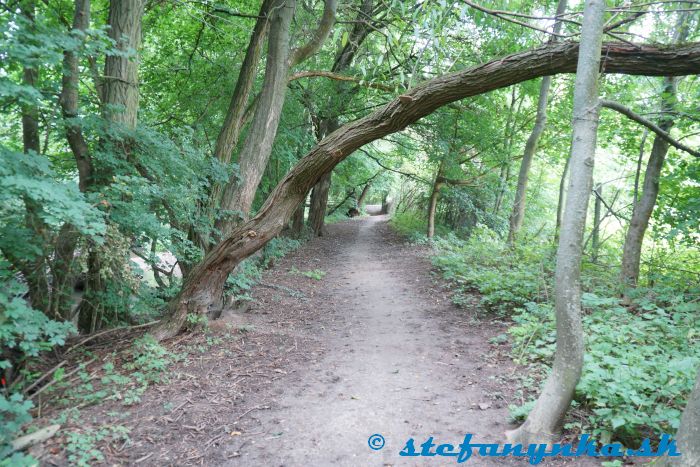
x=504 y=16
x=339 y=77
x=629 y=113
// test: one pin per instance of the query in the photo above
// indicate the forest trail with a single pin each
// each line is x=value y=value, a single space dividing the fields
x=316 y=366
x=393 y=366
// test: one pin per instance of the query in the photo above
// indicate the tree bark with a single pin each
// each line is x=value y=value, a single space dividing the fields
x=69 y=100
x=297 y=227
x=518 y=212
x=363 y=195
x=319 y=204
x=319 y=194
x=120 y=100
x=121 y=80
x=230 y=131
x=641 y=213
x=688 y=435
x=205 y=279
x=546 y=418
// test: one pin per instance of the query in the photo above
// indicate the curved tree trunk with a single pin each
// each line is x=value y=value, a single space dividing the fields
x=420 y=101
x=518 y=212
x=547 y=416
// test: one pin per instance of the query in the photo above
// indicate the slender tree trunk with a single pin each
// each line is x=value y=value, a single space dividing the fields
x=518 y=212
x=319 y=204
x=560 y=199
x=434 y=195
x=641 y=213
x=319 y=194
x=34 y=269
x=363 y=195
x=688 y=435
x=200 y=286
x=597 y=211
x=231 y=129
x=546 y=417
x=643 y=208
x=239 y=193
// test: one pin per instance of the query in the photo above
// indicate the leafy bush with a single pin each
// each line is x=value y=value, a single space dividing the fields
x=640 y=359
x=504 y=277
x=410 y=224
x=14 y=413
x=24 y=331
x=638 y=367
x=249 y=271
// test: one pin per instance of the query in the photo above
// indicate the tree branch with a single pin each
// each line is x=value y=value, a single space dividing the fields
x=504 y=16
x=405 y=174
x=320 y=35
x=339 y=77
x=629 y=113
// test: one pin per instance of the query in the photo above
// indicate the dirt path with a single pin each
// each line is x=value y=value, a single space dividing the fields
x=317 y=366
x=395 y=366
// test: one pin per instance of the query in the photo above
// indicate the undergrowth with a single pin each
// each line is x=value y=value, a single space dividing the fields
x=640 y=358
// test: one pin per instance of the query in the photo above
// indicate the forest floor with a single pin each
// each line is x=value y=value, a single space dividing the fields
x=318 y=364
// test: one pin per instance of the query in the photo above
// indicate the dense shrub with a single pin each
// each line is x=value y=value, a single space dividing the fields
x=640 y=358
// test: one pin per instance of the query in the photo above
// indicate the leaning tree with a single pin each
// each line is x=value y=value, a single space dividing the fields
x=204 y=284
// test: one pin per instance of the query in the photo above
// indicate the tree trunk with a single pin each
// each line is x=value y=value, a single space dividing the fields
x=319 y=195
x=434 y=195
x=595 y=235
x=395 y=116
x=120 y=107
x=319 y=204
x=239 y=192
x=688 y=435
x=363 y=195
x=518 y=212
x=560 y=199
x=547 y=416
x=297 y=227
x=641 y=213
x=121 y=80
x=231 y=129
x=643 y=208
